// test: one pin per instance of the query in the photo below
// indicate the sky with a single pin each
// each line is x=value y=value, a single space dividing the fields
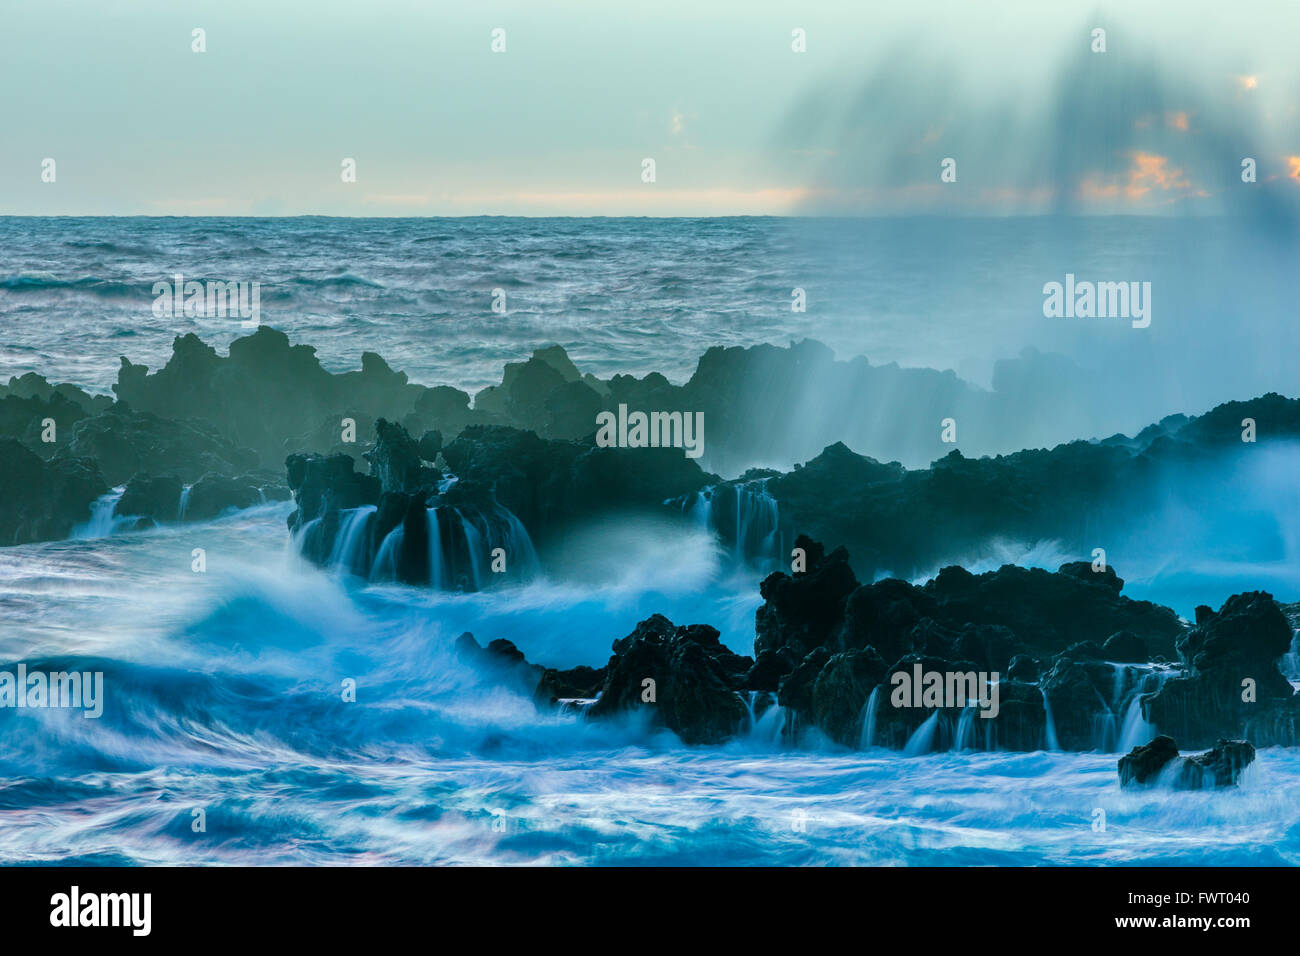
x=561 y=122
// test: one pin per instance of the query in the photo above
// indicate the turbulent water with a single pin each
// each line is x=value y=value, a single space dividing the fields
x=225 y=689
x=224 y=695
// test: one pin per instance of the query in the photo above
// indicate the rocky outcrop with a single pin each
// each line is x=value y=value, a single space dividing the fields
x=42 y=500
x=203 y=412
x=806 y=610
x=1232 y=685
x=952 y=686
x=264 y=392
x=152 y=496
x=38 y=421
x=988 y=618
x=321 y=484
x=405 y=521
x=550 y=484
x=126 y=442
x=1075 y=657
x=395 y=458
x=683 y=678
x=500 y=662
x=213 y=495
x=1159 y=761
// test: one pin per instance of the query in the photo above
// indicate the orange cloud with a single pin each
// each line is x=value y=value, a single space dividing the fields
x=1294 y=163
x=1151 y=171
x=1148 y=175
x=1177 y=121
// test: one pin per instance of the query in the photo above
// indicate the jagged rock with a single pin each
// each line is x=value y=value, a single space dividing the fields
x=1084 y=571
x=1084 y=651
x=43 y=500
x=804 y=610
x=394 y=458
x=321 y=484
x=1143 y=763
x=885 y=615
x=549 y=484
x=1219 y=767
x=990 y=646
x=1077 y=690
x=213 y=494
x=501 y=662
x=127 y=442
x=1125 y=647
x=1021 y=723
x=153 y=496
x=840 y=693
x=693 y=679
x=31 y=385
x=769 y=667
x=1047 y=611
x=796 y=689
x=264 y=392
x=430 y=445
x=25 y=418
x=896 y=724
x=581 y=682
x=1025 y=668
x=1241 y=642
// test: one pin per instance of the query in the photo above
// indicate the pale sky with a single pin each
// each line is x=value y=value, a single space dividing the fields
x=559 y=124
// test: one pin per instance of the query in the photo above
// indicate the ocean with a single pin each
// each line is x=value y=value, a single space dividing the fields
x=225 y=735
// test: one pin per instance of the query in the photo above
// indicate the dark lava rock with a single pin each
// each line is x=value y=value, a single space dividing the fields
x=581 y=683
x=1240 y=643
x=127 y=442
x=44 y=500
x=1143 y=763
x=1084 y=651
x=394 y=458
x=1125 y=647
x=501 y=662
x=551 y=483
x=213 y=494
x=1024 y=668
x=264 y=392
x=693 y=677
x=1078 y=691
x=805 y=610
x=796 y=689
x=1048 y=612
x=840 y=693
x=769 y=667
x=430 y=445
x=25 y=418
x=153 y=496
x=322 y=484
x=1220 y=766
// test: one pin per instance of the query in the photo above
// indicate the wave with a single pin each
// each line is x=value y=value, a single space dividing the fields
x=34 y=282
x=341 y=281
